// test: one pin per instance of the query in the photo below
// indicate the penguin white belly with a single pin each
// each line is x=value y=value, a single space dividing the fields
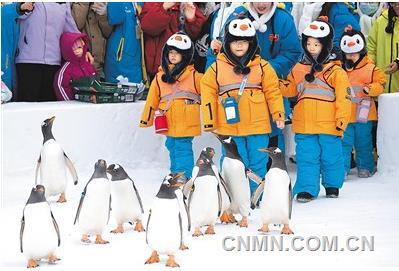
x=40 y=237
x=125 y=204
x=95 y=209
x=233 y=173
x=163 y=231
x=53 y=173
x=225 y=198
x=275 y=201
x=204 y=205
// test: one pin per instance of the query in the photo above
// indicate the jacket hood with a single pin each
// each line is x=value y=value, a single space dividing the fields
x=67 y=40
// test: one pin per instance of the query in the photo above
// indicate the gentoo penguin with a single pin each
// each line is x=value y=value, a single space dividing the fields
x=39 y=235
x=206 y=200
x=126 y=201
x=94 y=207
x=53 y=164
x=276 y=203
x=168 y=222
x=234 y=173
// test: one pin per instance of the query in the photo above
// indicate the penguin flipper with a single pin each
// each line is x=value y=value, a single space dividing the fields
x=39 y=161
x=71 y=169
x=224 y=184
x=188 y=216
x=138 y=197
x=188 y=186
x=253 y=176
x=146 y=230
x=290 y=200
x=21 y=233
x=219 y=200
x=109 y=209
x=181 y=230
x=256 y=195
x=82 y=198
x=57 y=229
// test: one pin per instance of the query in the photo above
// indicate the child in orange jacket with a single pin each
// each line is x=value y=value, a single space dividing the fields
x=239 y=93
x=367 y=81
x=321 y=114
x=175 y=95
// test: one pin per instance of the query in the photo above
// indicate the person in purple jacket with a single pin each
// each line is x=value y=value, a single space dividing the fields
x=38 y=55
x=74 y=47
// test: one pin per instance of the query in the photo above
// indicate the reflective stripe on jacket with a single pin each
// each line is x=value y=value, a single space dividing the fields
x=365 y=74
x=316 y=111
x=180 y=101
x=261 y=97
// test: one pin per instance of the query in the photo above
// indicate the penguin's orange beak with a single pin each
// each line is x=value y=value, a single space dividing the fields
x=351 y=44
x=264 y=150
x=243 y=27
x=52 y=119
x=313 y=26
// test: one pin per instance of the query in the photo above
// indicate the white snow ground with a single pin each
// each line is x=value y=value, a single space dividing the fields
x=366 y=207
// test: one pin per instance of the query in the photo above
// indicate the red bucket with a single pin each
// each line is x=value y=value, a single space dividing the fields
x=160 y=122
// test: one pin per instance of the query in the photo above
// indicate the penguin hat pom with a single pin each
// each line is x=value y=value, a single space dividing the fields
x=181 y=43
x=240 y=28
x=321 y=30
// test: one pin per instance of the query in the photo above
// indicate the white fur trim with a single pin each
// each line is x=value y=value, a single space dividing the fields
x=260 y=22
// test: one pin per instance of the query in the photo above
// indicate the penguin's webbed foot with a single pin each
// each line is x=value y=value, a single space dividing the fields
x=139 y=226
x=32 y=263
x=85 y=239
x=100 y=240
x=264 y=228
x=183 y=247
x=154 y=258
x=243 y=223
x=62 y=198
x=197 y=232
x=286 y=230
x=171 y=262
x=210 y=230
x=227 y=218
x=118 y=229
x=53 y=259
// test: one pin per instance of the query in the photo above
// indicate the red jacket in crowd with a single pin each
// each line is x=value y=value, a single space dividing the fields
x=158 y=25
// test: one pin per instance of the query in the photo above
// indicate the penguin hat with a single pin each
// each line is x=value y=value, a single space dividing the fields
x=181 y=43
x=324 y=33
x=352 y=42
x=238 y=29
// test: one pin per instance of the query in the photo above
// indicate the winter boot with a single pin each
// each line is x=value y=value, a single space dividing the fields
x=304 y=197
x=332 y=192
x=364 y=173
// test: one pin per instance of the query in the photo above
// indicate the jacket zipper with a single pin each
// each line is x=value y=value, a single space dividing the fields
x=390 y=76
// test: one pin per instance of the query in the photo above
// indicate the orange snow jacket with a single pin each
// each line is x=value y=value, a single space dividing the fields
x=366 y=75
x=261 y=97
x=323 y=106
x=180 y=102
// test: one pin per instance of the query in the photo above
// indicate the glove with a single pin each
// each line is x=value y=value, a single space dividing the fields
x=99 y=7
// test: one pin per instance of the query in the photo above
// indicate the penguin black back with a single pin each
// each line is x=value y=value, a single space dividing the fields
x=230 y=147
x=205 y=162
x=169 y=186
x=37 y=195
x=117 y=172
x=100 y=169
x=47 y=126
x=278 y=158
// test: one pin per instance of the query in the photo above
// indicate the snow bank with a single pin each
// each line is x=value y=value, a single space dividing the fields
x=388 y=133
x=87 y=132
